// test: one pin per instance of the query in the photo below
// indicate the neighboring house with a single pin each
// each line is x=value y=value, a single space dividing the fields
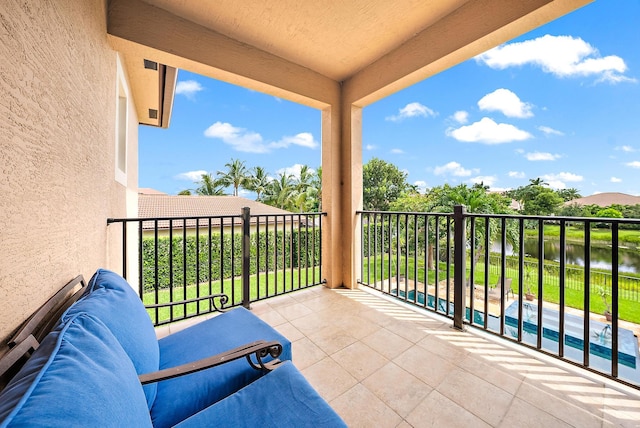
x=79 y=76
x=223 y=210
x=606 y=199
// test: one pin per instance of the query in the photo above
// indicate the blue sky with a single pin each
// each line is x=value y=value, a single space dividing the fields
x=561 y=103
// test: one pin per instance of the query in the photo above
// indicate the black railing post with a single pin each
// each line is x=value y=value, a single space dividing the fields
x=246 y=250
x=459 y=266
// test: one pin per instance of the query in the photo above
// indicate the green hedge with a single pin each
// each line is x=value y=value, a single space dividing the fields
x=226 y=256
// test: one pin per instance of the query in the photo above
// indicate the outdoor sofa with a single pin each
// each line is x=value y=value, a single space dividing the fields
x=101 y=365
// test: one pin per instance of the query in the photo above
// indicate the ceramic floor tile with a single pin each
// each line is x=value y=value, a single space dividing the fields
x=306 y=353
x=293 y=311
x=426 y=366
x=561 y=406
x=496 y=375
x=289 y=331
x=329 y=378
x=436 y=410
x=478 y=396
x=523 y=415
x=359 y=407
x=359 y=360
x=332 y=339
x=397 y=388
x=388 y=344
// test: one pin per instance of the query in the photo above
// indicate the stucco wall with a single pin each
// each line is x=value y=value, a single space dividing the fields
x=57 y=149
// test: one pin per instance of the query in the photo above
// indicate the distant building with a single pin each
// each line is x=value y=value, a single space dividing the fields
x=225 y=211
x=606 y=199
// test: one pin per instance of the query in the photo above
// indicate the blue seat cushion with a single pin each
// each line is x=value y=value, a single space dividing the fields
x=282 y=398
x=114 y=302
x=79 y=376
x=182 y=397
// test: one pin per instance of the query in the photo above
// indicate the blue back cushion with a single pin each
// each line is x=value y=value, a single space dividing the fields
x=112 y=300
x=79 y=376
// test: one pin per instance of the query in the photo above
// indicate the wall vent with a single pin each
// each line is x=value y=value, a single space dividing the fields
x=151 y=65
x=153 y=113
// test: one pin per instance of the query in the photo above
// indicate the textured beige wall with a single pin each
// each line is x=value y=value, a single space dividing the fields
x=57 y=148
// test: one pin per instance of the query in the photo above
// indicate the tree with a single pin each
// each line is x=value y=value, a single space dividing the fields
x=258 y=182
x=569 y=194
x=236 y=175
x=383 y=183
x=279 y=191
x=209 y=186
x=536 y=198
x=185 y=192
x=609 y=213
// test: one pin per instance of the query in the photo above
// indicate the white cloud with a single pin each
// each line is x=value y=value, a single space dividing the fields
x=505 y=101
x=558 y=181
x=634 y=164
x=421 y=185
x=487 y=180
x=452 y=168
x=550 y=131
x=244 y=140
x=397 y=151
x=542 y=156
x=293 y=170
x=516 y=174
x=487 y=131
x=461 y=117
x=616 y=180
x=370 y=147
x=188 y=88
x=562 y=56
x=304 y=139
x=191 y=175
x=627 y=149
x=412 y=110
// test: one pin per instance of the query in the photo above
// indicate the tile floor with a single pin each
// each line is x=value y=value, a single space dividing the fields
x=379 y=363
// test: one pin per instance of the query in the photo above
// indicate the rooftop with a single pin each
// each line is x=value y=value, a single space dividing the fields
x=606 y=199
x=379 y=362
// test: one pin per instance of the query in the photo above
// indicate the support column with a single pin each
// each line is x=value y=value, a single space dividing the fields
x=341 y=193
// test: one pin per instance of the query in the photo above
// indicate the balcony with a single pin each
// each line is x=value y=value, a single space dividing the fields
x=387 y=353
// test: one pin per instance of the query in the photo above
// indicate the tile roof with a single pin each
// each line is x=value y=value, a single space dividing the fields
x=163 y=206
x=606 y=199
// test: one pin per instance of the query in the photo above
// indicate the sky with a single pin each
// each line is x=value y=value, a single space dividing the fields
x=561 y=103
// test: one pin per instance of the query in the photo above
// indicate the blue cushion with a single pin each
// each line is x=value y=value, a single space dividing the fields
x=112 y=300
x=282 y=398
x=79 y=376
x=182 y=397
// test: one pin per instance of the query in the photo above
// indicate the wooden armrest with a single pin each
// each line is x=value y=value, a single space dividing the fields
x=258 y=349
x=222 y=297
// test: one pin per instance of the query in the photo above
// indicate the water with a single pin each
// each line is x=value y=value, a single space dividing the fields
x=629 y=259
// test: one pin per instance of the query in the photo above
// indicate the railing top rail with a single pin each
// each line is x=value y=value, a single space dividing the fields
x=513 y=216
x=406 y=213
x=556 y=218
x=206 y=217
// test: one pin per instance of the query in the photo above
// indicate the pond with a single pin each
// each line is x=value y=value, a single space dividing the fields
x=629 y=259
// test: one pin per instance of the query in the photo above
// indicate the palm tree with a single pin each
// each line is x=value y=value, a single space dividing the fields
x=209 y=186
x=279 y=191
x=258 y=182
x=236 y=175
x=316 y=189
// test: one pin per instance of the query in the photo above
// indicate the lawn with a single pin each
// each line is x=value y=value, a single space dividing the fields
x=278 y=282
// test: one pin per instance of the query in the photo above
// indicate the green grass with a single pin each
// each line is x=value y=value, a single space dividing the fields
x=278 y=282
x=574 y=298
x=630 y=237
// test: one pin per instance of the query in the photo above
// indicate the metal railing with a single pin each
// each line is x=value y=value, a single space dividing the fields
x=245 y=257
x=445 y=263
